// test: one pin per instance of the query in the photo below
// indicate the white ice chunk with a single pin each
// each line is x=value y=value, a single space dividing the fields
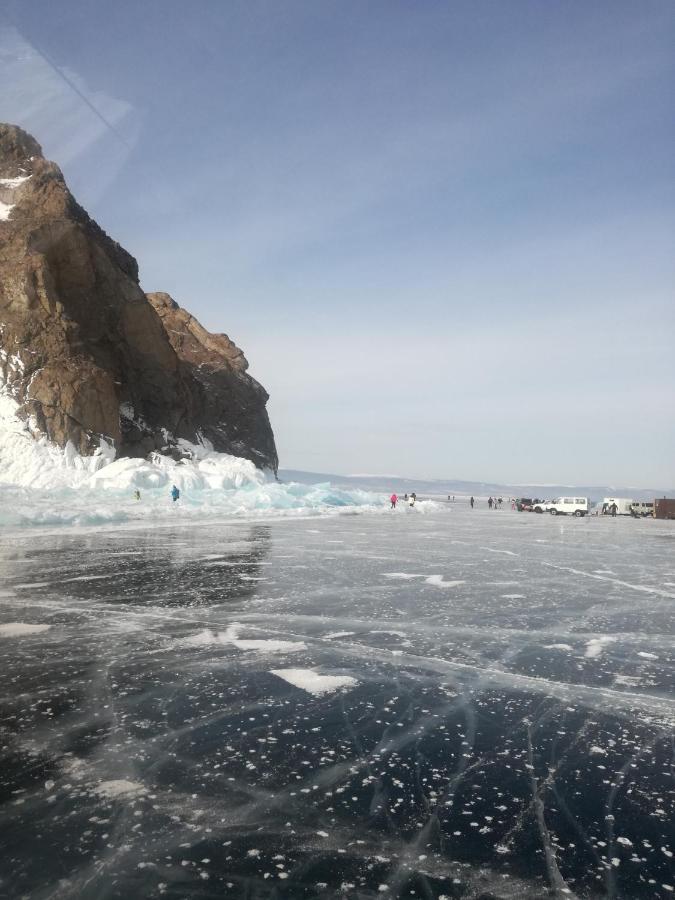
x=314 y=683
x=18 y=629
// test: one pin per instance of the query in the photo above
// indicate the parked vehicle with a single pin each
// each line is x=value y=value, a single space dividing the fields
x=664 y=509
x=525 y=504
x=623 y=505
x=564 y=506
x=642 y=508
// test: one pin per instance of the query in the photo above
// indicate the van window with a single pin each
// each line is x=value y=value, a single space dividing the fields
x=568 y=500
x=581 y=500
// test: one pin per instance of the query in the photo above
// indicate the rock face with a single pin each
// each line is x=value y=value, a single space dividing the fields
x=86 y=354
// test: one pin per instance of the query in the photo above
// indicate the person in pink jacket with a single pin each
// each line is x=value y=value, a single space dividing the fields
x=394 y=500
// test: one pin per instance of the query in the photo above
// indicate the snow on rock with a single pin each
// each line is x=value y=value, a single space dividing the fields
x=12 y=183
x=5 y=210
x=27 y=461
x=310 y=681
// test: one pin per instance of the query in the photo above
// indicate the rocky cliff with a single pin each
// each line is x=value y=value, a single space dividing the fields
x=86 y=354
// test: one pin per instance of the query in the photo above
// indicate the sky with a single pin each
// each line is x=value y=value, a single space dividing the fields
x=442 y=232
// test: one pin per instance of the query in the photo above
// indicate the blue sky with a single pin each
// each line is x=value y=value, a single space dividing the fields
x=441 y=232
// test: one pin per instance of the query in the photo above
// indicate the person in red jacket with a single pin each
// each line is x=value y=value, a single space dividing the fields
x=394 y=500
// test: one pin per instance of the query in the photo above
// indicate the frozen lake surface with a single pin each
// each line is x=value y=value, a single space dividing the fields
x=459 y=704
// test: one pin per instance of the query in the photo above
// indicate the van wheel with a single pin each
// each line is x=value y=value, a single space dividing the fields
x=554 y=512
x=578 y=513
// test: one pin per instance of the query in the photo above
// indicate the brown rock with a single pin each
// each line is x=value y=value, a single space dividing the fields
x=87 y=354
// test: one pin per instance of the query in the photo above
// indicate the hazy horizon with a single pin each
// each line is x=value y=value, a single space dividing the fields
x=442 y=234
x=450 y=479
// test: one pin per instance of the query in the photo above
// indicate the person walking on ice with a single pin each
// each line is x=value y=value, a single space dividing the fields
x=175 y=493
x=472 y=501
x=393 y=499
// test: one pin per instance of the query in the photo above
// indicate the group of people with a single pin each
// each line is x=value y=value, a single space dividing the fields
x=411 y=500
x=493 y=503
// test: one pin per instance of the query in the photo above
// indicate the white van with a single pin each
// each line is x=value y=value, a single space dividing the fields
x=623 y=505
x=565 y=506
x=642 y=508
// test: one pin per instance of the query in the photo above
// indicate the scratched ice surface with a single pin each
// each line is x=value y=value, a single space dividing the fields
x=454 y=705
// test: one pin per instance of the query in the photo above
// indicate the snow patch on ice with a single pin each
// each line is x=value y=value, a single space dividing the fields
x=18 y=629
x=437 y=581
x=596 y=645
x=206 y=638
x=402 y=575
x=231 y=636
x=314 y=683
x=120 y=787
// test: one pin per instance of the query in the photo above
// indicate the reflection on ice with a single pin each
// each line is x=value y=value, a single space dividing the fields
x=317 y=718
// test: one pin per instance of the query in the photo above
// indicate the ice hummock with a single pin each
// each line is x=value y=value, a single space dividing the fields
x=43 y=484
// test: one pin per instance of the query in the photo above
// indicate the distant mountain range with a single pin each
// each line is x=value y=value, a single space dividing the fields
x=442 y=486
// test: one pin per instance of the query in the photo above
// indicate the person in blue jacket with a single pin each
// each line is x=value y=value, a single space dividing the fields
x=175 y=493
